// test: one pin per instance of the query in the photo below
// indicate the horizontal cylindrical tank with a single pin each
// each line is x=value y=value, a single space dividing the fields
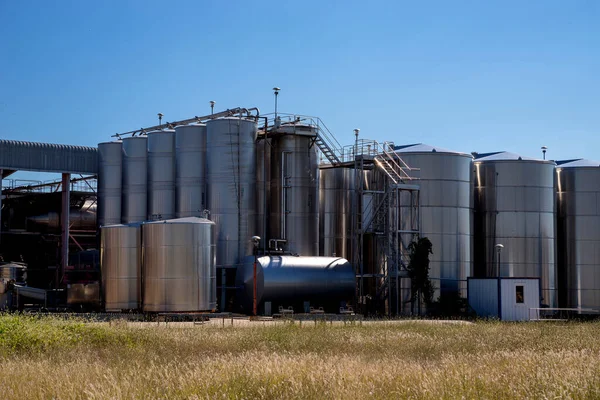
x=231 y=186
x=515 y=208
x=110 y=169
x=295 y=189
x=135 y=179
x=161 y=175
x=578 y=233
x=179 y=265
x=190 y=156
x=292 y=281
x=121 y=266
x=445 y=204
x=79 y=219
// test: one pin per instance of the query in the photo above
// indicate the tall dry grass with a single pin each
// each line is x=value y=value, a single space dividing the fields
x=53 y=358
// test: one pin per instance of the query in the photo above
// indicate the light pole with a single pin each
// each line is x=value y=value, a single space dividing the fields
x=276 y=91
x=255 y=241
x=212 y=107
x=544 y=148
x=499 y=248
x=160 y=115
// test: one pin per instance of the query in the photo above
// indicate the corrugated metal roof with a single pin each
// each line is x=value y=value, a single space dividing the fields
x=425 y=148
x=48 y=157
x=578 y=163
x=506 y=156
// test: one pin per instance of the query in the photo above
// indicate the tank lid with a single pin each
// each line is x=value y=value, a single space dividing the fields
x=186 y=220
x=162 y=131
x=578 y=163
x=130 y=225
x=425 y=148
x=136 y=137
x=507 y=156
x=194 y=125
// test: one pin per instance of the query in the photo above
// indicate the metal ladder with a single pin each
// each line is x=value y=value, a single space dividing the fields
x=327 y=151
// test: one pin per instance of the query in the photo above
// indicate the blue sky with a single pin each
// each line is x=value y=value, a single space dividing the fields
x=465 y=75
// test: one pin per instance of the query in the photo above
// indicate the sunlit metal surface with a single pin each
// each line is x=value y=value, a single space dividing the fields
x=179 y=265
x=295 y=189
x=110 y=168
x=190 y=155
x=161 y=175
x=135 y=178
x=578 y=195
x=445 y=212
x=121 y=266
x=515 y=207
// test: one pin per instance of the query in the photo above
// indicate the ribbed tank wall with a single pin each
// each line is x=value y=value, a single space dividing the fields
x=335 y=212
x=445 y=207
x=263 y=189
x=231 y=186
x=110 y=168
x=295 y=191
x=121 y=265
x=578 y=191
x=190 y=156
x=135 y=174
x=514 y=207
x=161 y=175
x=179 y=265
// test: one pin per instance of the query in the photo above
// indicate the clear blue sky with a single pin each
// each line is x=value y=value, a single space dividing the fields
x=470 y=76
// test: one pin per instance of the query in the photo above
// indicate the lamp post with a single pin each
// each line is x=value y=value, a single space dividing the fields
x=255 y=241
x=499 y=248
x=212 y=107
x=544 y=149
x=276 y=91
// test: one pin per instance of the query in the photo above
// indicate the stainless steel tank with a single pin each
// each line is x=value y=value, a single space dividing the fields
x=161 y=175
x=190 y=156
x=179 y=265
x=110 y=169
x=135 y=179
x=295 y=189
x=515 y=208
x=445 y=202
x=288 y=281
x=578 y=233
x=336 y=192
x=121 y=266
x=231 y=186
x=263 y=189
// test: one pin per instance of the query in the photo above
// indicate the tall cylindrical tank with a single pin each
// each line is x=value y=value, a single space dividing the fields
x=578 y=233
x=179 y=265
x=295 y=189
x=514 y=207
x=135 y=174
x=445 y=202
x=231 y=186
x=121 y=266
x=161 y=175
x=110 y=168
x=263 y=189
x=291 y=281
x=190 y=156
x=335 y=211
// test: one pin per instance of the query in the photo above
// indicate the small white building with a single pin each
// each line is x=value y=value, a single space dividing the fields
x=509 y=299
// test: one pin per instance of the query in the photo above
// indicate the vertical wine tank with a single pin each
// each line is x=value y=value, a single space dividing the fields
x=578 y=233
x=135 y=187
x=179 y=265
x=231 y=186
x=190 y=154
x=445 y=202
x=515 y=208
x=109 y=183
x=161 y=175
x=295 y=189
x=121 y=265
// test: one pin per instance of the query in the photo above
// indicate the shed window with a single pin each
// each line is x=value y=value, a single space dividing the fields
x=520 y=294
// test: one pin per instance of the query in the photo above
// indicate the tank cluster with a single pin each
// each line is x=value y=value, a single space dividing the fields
x=212 y=170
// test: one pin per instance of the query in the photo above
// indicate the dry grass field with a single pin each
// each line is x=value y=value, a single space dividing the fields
x=53 y=358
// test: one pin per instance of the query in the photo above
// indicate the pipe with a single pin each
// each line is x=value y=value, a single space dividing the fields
x=284 y=188
x=264 y=184
x=1 y=175
x=66 y=197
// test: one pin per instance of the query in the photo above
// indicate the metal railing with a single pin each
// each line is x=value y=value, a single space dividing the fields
x=83 y=184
